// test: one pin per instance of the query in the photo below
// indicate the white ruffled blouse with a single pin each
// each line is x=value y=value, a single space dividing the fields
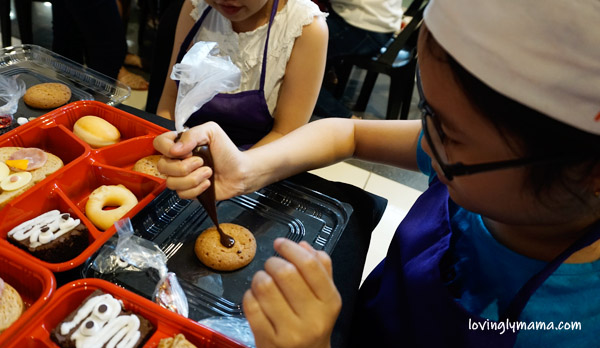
x=246 y=49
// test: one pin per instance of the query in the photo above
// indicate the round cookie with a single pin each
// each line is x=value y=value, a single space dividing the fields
x=212 y=253
x=149 y=165
x=47 y=95
x=11 y=307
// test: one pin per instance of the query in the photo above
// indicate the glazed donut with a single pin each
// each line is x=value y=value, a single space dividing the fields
x=109 y=196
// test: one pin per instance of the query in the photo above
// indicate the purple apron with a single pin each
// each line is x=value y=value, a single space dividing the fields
x=405 y=302
x=244 y=116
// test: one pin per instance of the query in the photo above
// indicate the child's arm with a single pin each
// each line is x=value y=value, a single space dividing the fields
x=166 y=105
x=314 y=145
x=301 y=82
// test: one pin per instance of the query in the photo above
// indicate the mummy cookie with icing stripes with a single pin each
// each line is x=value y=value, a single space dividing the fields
x=100 y=321
x=52 y=237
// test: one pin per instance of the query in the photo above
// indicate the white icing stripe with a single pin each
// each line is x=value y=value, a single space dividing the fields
x=109 y=328
x=53 y=220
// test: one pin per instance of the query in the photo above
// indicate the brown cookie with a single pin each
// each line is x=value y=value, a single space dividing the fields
x=149 y=165
x=213 y=254
x=47 y=95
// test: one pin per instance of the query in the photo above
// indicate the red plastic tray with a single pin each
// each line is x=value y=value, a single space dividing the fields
x=33 y=282
x=84 y=170
x=68 y=297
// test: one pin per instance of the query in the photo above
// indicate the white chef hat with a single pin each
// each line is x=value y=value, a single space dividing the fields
x=543 y=54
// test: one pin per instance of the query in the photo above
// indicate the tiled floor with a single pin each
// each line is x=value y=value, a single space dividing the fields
x=400 y=187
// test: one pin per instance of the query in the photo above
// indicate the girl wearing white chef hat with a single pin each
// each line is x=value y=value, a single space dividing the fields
x=503 y=248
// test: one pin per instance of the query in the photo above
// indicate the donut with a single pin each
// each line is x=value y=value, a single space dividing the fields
x=96 y=131
x=109 y=196
x=47 y=95
x=212 y=253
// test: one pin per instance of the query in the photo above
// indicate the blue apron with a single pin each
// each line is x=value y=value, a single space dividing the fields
x=405 y=302
x=244 y=116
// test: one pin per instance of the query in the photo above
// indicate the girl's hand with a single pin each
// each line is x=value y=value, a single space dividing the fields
x=187 y=174
x=293 y=302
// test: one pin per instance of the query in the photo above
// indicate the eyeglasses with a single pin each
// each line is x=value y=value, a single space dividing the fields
x=435 y=136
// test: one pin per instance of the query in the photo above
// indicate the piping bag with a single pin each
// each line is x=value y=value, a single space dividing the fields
x=202 y=74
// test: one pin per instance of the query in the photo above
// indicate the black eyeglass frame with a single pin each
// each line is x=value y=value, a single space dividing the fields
x=459 y=169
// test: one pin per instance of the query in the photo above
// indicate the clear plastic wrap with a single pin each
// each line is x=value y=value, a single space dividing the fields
x=143 y=254
x=202 y=74
x=11 y=90
x=234 y=327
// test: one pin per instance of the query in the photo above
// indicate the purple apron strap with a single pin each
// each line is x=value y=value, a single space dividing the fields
x=406 y=296
x=190 y=36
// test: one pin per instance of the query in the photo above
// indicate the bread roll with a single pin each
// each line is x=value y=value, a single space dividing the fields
x=96 y=131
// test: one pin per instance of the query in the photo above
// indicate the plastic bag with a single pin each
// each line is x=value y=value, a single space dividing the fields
x=143 y=254
x=202 y=74
x=11 y=90
x=233 y=327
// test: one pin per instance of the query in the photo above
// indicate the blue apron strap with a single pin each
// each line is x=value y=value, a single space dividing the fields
x=516 y=306
x=264 y=63
x=191 y=34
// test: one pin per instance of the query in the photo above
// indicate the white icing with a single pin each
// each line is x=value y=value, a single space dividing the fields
x=110 y=328
x=32 y=229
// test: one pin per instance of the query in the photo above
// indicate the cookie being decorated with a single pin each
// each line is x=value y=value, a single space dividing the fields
x=213 y=254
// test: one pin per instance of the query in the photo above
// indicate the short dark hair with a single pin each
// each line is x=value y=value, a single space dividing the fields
x=527 y=131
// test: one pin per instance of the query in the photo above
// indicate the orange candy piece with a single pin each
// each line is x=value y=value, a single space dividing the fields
x=18 y=164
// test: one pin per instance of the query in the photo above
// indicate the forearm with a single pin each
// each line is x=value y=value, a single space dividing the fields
x=328 y=141
x=314 y=145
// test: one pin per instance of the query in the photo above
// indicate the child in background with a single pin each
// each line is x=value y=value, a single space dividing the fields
x=280 y=48
x=503 y=249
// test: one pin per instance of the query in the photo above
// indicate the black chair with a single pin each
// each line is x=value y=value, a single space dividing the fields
x=398 y=60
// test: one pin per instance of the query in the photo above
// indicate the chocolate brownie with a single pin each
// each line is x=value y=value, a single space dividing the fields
x=52 y=237
x=98 y=321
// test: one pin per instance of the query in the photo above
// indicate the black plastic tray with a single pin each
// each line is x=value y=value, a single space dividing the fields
x=279 y=210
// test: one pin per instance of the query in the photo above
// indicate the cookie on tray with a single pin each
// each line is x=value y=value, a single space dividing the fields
x=11 y=305
x=47 y=95
x=149 y=165
x=213 y=254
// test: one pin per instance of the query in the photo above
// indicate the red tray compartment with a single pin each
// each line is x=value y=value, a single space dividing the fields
x=84 y=170
x=68 y=297
x=33 y=282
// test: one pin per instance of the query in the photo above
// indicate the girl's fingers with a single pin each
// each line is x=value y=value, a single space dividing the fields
x=272 y=303
x=310 y=267
x=259 y=323
x=291 y=284
x=178 y=167
x=322 y=256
